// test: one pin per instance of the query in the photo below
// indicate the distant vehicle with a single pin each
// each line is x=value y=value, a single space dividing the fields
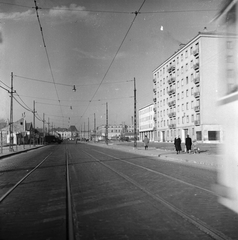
x=52 y=139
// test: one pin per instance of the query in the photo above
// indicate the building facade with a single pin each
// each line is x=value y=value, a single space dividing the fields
x=185 y=92
x=146 y=122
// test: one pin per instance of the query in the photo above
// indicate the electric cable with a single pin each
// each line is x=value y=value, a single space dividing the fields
x=123 y=40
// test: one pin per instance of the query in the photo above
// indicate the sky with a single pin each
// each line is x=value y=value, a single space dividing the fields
x=98 y=46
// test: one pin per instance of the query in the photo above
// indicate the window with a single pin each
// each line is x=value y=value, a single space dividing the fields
x=178 y=108
x=178 y=96
x=186 y=105
x=177 y=84
x=178 y=120
x=192 y=105
x=192 y=77
x=199 y=135
x=181 y=57
x=187 y=93
x=192 y=92
x=182 y=120
x=187 y=80
x=229 y=45
x=182 y=107
x=191 y=50
x=186 y=67
x=187 y=119
x=182 y=94
x=182 y=70
x=213 y=135
x=181 y=82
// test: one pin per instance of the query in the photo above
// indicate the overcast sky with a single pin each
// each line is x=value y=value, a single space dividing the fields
x=87 y=44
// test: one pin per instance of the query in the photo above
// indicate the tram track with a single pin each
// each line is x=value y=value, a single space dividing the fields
x=4 y=196
x=201 y=225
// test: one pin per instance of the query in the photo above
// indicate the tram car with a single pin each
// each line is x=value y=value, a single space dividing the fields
x=227 y=187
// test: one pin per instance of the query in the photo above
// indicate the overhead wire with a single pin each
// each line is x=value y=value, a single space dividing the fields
x=47 y=55
x=113 y=59
x=112 y=11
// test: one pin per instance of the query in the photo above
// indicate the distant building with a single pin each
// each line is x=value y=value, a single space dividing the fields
x=115 y=131
x=146 y=122
x=185 y=92
x=67 y=133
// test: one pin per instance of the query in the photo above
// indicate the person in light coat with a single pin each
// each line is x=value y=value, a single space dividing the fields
x=146 y=142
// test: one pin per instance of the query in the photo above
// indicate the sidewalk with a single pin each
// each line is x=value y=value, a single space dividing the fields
x=5 y=151
x=202 y=160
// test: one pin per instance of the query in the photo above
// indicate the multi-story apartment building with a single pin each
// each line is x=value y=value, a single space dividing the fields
x=185 y=91
x=146 y=122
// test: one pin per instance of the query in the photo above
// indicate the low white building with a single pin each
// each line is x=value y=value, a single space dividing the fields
x=146 y=122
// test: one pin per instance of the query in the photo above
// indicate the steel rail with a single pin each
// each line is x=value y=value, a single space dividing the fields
x=69 y=217
x=215 y=234
x=156 y=172
x=22 y=179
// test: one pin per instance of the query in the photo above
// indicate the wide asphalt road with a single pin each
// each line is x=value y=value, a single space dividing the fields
x=114 y=195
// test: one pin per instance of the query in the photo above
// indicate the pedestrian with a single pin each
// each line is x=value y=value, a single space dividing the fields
x=188 y=144
x=146 y=142
x=195 y=147
x=177 y=144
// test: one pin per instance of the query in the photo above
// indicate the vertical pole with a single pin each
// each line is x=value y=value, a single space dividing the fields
x=88 y=129
x=11 y=117
x=106 y=133
x=84 y=131
x=94 y=127
x=43 y=140
x=34 y=119
x=135 y=130
x=1 y=143
x=48 y=126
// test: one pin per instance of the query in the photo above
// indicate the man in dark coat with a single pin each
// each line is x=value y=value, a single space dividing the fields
x=177 y=144
x=188 y=143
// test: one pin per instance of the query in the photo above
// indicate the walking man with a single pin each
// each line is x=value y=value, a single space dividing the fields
x=188 y=143
x=177 y=144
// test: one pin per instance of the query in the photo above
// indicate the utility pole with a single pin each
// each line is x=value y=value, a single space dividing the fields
x=106 y=132
x=43 y=129
x=48 y=126
x=34 y=123
x=11 y=117
x=88 y=129
x=94 y=127
x=84 y=131
x=135 y=130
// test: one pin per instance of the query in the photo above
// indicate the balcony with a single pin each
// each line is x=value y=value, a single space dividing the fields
x=197 y=122
x=171 y=69
x=155 y=119
x=171 y=91
x=154 y=90
x=197 y=94
x=173 y=125
x=171 y=80
x=172 y=114
x=154 y=81
x=154 y=99
x=172 y=103
x=197 y=108
x=197 y=80
x=196 y=53
x=196 y=66
x=154 y=109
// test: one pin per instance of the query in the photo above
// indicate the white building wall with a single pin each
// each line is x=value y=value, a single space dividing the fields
x=185 y=91
x=146 y=122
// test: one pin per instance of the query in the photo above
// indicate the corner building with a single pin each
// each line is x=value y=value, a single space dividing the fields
x=185 y=92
